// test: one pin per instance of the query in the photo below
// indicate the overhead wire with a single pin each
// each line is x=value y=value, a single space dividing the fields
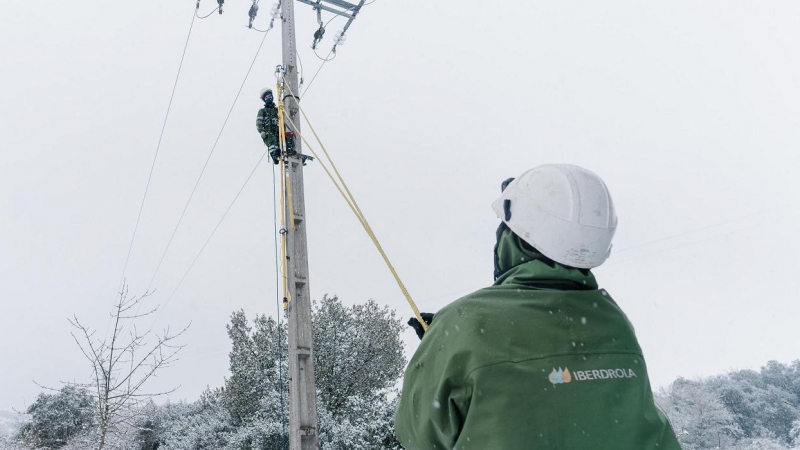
x=308 y=86
x=202 y=249
x=278 y=302
x=207 y=15
x=695 y=242
x=158 y=148
x=696 y=230
x=219 y=135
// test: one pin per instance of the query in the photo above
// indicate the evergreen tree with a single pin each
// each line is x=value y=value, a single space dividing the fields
x=698 y=416
x=358 y=352
x=57 y=418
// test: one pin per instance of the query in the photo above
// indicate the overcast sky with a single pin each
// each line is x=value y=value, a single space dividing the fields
x=688 y=110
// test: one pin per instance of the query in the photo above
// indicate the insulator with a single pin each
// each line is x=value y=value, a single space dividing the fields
x=339 y=37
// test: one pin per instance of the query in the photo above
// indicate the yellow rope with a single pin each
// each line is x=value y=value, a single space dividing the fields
x=351 y=202
x=286 y=293
x=284 y=185
x=282 y=135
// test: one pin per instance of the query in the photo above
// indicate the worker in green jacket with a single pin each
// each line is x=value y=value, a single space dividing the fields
x=267 y=124
x=543 y=359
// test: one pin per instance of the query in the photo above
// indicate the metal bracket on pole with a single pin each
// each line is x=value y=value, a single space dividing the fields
x=338 y=7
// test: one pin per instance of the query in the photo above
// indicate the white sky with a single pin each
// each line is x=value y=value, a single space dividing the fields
x=688 y=110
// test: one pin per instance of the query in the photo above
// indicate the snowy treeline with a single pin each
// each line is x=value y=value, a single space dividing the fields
x=358 y=361
x=743 y=410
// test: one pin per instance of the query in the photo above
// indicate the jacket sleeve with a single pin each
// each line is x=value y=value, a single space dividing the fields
x=260 y=121
x=434 y=401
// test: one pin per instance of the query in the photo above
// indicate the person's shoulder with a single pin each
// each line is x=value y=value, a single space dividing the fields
x=472 y=305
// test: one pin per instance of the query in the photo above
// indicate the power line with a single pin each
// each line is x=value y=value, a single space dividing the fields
x=211 y=235
x=225 y=123
x=697 y=230
x=701 y=241
x=207 y=15
x=325 y=60
x=278 y=303
x=158 y=148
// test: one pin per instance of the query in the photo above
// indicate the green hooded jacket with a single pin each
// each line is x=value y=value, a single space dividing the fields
x=267 y=123
x=541 y=360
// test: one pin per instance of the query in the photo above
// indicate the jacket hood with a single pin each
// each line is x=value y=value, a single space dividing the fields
x=517 y=263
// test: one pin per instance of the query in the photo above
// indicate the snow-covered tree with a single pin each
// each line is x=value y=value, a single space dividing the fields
x=257 y=364
x=794 y=434
x=360 y=426
x=9 y=443
x=758 y=444
x=763 y=404
x=698 y=416
x=358 y=352
x=58 y=417
x=202 y=425
x=358 y=357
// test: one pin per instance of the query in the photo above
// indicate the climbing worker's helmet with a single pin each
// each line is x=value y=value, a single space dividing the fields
x=264 y=93
x=563 y=211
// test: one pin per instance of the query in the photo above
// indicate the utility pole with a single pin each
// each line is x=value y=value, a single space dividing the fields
x=302 y=394
x=303 y=430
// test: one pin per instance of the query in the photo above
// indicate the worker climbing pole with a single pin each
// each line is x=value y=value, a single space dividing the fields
x=279 y=127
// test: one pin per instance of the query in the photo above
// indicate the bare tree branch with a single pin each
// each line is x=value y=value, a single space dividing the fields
x=125 y=361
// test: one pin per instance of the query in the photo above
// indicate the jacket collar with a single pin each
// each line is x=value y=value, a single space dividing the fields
x=517 y=263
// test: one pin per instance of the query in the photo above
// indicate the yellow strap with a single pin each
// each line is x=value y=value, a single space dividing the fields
x=284 y=186
x=282 y=135
x=351 y=202
x=286 y=293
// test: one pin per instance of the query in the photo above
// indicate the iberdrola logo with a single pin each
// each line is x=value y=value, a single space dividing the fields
x=560 y=376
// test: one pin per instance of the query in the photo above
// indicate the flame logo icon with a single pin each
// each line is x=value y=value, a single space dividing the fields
x=560 y=376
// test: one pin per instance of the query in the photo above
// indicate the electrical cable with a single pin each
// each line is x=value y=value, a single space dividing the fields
x=158 y=148
x=318 y=70
x=696 y=230
x=278 y=303
x=300 y=61
x=210 y=236
x=225 y=123
x=207 y=15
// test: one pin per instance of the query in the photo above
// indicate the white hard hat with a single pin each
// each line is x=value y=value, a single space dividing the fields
x=264 y=91
x=563 y=211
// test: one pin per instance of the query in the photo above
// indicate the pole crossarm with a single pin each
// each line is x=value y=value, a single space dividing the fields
x=355 y=12
x=339 y=7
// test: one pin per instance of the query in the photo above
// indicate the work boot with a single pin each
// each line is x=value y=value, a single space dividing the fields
x=275 y=153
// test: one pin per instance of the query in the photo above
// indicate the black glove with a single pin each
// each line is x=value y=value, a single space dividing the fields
x=414 y=323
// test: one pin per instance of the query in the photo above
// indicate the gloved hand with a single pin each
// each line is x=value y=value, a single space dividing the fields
x=414 y=323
